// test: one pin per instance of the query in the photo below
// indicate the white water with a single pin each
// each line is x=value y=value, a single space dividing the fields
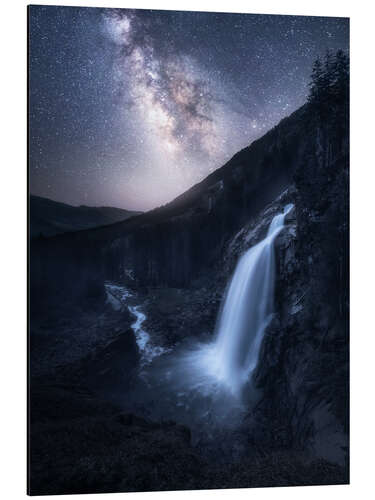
x=147 y=350
x=117 y=296
x=214 y=374
x=247 y=311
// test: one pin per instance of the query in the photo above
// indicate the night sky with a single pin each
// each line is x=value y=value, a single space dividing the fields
x=130 y=108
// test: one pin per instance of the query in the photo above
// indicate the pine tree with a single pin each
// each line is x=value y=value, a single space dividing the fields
x=329 y=87
x=316 y=81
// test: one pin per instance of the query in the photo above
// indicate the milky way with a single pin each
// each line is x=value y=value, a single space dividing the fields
x=130 y=108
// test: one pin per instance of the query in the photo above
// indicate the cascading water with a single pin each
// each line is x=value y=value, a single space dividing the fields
x=247 y=310
x=202 y=383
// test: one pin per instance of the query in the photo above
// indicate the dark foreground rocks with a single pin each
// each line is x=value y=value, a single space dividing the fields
x=123 y=452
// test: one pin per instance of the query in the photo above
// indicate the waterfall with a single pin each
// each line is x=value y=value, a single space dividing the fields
x=247 y=310
x=201 y=382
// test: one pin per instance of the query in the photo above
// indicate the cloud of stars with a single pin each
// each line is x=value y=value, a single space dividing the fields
x=130 y=108
x=175 y=105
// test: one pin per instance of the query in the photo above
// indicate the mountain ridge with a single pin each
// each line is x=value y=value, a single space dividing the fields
x=253 y=153
x=49 y=217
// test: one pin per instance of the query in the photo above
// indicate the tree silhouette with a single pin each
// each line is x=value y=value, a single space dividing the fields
x=329 y=86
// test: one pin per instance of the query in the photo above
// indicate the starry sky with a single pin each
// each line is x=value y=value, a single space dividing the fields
x=130 y=108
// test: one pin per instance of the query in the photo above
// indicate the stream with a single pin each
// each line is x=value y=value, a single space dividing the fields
x=118 y=297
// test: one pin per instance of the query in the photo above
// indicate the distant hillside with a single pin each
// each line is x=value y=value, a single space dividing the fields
x=48 y=217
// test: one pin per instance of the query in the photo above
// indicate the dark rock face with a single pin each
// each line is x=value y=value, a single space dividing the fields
x=177 y=314
x=303 y=369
